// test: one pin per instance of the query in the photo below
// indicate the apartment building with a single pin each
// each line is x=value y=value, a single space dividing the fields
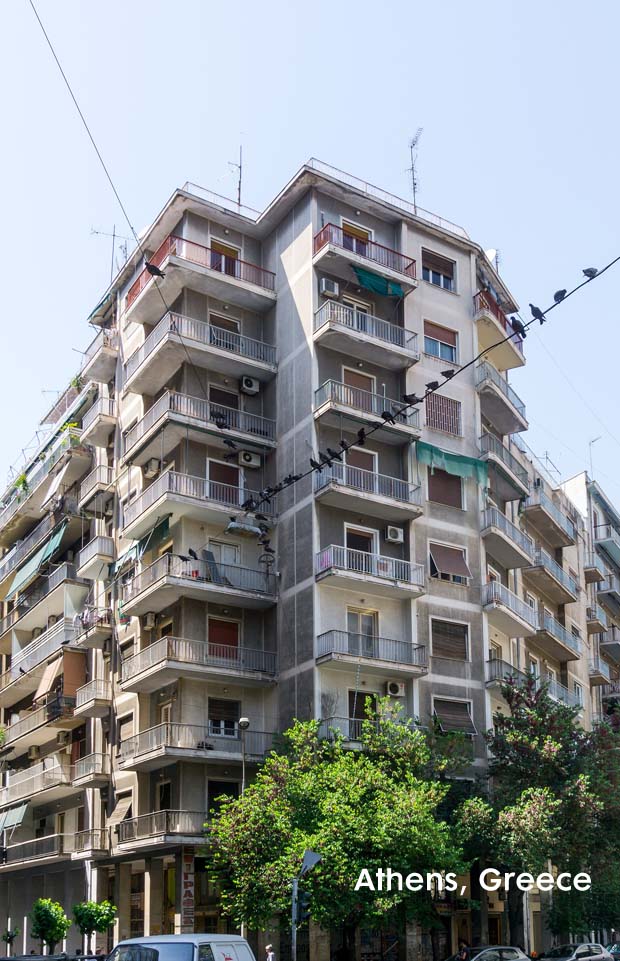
x=157 y=636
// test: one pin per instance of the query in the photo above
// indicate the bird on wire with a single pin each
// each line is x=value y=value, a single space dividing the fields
x=153 y=270
x=448 y=374
x=361 y=437
x=590 y=272
x=334 y=454
x=314 y=464
x=388 y=417
x=412 y=399
x=432 y=385
x=518 y=327
x=325 y=459
x=344 y=444
x=537 y=313
x=559 y=296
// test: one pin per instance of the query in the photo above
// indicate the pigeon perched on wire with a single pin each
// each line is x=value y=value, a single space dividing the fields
x=344 y=444
x=590 y=272
x=518 y=327
x=537 y=313
x=432 y=385
x=448 y=374
x=325 y=459
x=230 y=443
x=388 y=417
x=153 y=270
x=361 y=437
x=559 y=296
x=334 y=454
x=412 y=399
x=249 y=504
x=314 y=464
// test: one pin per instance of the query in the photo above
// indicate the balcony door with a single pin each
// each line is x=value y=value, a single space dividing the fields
x=359 y=702
x=224 y=332
x=361 y=469
x=355 y=238
x=357 y=314
x=362 y=629
x=361 y=545
x=224 y=482
x=359 y=389
x=223 y=638
x=225 y=258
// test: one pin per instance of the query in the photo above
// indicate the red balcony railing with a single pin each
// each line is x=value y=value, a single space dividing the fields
x=383 y=256
x=205 y=257
x=483 y=301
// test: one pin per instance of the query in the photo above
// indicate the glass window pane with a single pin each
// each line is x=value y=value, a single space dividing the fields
x=431 y=346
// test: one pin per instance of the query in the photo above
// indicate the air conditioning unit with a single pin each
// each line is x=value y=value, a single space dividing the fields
x=248 y=459
x=394 y=535
x=249 y=385
x=152 y=468
x=395 y=688
x=149 y=620
x=329 y=288
x=34 y=753
x=63 y=738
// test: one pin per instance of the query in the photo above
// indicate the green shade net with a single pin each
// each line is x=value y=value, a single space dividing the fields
x=126 y=558
x=31 y=568
x=457 y=464
x=378 y=285
x=154 y=537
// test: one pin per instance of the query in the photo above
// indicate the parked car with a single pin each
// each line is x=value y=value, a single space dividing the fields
x=614 y=950
x=589 y=951
x=184 y=947
x=494 y=952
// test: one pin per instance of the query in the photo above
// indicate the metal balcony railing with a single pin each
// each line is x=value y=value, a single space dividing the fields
x=542 y=559
x=500 y=670
x=549 y=624
x=593 y=561
x=368 y=482
x=610 y=585
x=188 y=823
x=202 y=333
x=538 y=498
x=596 y=613
x=611 y=690
x=200 y=410
x=335 y=392
x=196 y=488
x=485 y=302
x=99 y=477
x=54 y=771
x=90 y=619
x=561 y=693
x=607 y=532
x=200 y=653
x=57 y=706
x=196 y=737
x=596 y=665
x=100 y=545
x=377 y=253
x=375 y=648
x=227 y=576
x=96 y=839
x=39 y=650
x=348 y=727
x=486 y=371
x=12 y=560
x=489 y=444
x=42 y=588
x=91 y=765
x=350 y=318
x=104 y=407
x=496 y=593
x=204 y=257
x=492 y=517
x=95 y=690
x=52 y=845
x=105 y=338
x=375 y=565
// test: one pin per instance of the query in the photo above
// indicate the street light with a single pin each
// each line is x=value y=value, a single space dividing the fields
x=244 y=723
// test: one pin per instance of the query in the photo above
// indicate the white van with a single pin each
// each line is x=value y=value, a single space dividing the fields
x=184 y=947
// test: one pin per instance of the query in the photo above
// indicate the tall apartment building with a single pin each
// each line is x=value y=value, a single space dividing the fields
x=152 y=646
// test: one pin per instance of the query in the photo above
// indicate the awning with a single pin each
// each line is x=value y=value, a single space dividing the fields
x=51 y=672
x=120 y=811
x=154 y=537
x=55 y=485
x=457 y=464
x=449 y=560
x=129 y=557
x=29 y=571
x=2 y=820
x=98 y=314
x=14 y=817
x=378 y=285
x=453 y=716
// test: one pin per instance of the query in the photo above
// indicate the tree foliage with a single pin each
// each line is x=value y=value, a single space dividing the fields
x=94 y=917
x=49 y=923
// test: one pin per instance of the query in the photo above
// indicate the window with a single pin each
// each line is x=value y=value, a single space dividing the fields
x=575 y=631
x=438 y=270
x=360 y=389
x=533 y=665
x=360 y=702
x=357 y=539
x=224 y=482
x=449 y=640
x=355 y=238
x=205 y=953
x=495 y=652
x=127 y=648
x=222 y=398
x=578 y=692
x=224 y=553
x=224 y=258
x=440 y=342
x=125 y=728
x=357 y=314
x=164 y=796
x=217 y=790
x=530 y=600
x=453 y=715
x=223 y=716
x=444 y=488
x=448 y=564
x=443 y=413
x=165 y=713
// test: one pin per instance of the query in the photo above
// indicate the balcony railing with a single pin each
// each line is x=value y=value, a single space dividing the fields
x=105 y=338
x=496 y=593
x=561 y=693
x=196 y=737
x=332 y=391
x=539 y=498
x=200 y=410
x=201 y=654
x=90 y=619
x=100 y=545
x=593 y=561
x=204 y=257
x=349 y=727
x=596 y=665
x=542 y=559
x=549 y=624
x=56 y=707
x=500 y=670
x=95 y=690
x=375 y=648
x=34 y=595
x=92 y=765
x=104 y=407
x=34 y=538
x=484 y=301
x=201 y=572
x=52 y=845
x=489 y=444
x=52 y=772
x=99 y=477
x=95 y=839
x=196 y=488
x=205 y=334
x=486 y=371
x=368 y=482
x=607 y=532
x=38 y=651
x=377 y=253
x=610 y=585
x=492 y=517
x=188 y=823
x=596 y=613
x=350 y=318
x=375 y=565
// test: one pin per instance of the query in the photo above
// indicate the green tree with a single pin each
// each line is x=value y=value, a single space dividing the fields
x=49 y=922
x=94 y=917
x=9 y=937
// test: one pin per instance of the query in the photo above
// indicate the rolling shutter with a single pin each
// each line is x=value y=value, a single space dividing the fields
x=449 y=560
x=449 y=640
x=444 y=488
x=453 y=716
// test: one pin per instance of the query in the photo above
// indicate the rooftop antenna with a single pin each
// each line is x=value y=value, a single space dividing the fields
x=115 y=237
x=239 y=167
x=549 y=463
x=590 y=443
x=413 y=150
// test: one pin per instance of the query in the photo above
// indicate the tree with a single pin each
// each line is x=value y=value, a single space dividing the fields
x=92 y=917
x=9 y=937
x=49 y=922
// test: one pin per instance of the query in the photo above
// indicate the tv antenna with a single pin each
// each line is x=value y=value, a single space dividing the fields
x=115 y=237
x=239 y=167
x=413 y=150
x=590 y=445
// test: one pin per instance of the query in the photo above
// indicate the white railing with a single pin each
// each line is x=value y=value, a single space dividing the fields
x=56 y=707
x=351 y=318
x=52 y=845
x=39 y=650
x=54 y=771
x=492 y=517
x=34 y=595
x=195 y=737
x=538 y=498
x=375 y=648
x=596 y=665
x=227 y=576
x=101 y=545
x=542 y=559
x=606 y=532
x=549 y=624
x=376 y=565
x=105 y=338
x=335 y=392
x=496 y=593
x=489 y=444
x=16 y=556
x=561 y=693
x=95 y=690
x=368 y=482
x=160 y=823
x=104 y=407
x=486 y=371
x=92 y=765
x=500 y=670
x=200 y=653
x=96 y=839
x=99 y=477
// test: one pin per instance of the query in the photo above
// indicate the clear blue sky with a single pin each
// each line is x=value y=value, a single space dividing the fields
x=518 y=101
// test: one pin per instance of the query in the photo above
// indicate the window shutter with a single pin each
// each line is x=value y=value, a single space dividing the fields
x=444 y=488
x=435 y=262
x=449 y=640
x=439 y=333
x=454 y=716
x=449 y=560
x=443 y=413
x=221 y=709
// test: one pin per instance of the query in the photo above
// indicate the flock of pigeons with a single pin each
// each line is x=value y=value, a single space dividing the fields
x=537 y=314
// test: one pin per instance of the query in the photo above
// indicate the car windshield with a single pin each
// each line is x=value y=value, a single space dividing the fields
x=563 y=951
x=154 y=951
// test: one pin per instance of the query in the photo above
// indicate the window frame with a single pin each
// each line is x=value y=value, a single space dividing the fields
x=441 y=400
x=360 y=373
x=452 y=288
x=458 y=700
x=442 y=343
x=376 y=535
x=447 y=657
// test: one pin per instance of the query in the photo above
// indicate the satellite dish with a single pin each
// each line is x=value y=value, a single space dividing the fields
x=490 y=254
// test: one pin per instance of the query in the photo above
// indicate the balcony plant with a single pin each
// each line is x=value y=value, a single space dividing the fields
x=9 y=937
x=92 y=917
x=49 y=923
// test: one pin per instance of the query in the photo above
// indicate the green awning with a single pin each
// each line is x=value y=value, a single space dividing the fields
x=154 y=537
x=127 y=558
x=14 y=817
x=457 y=464
x=31 y=568
x=98 y=314
x=378 y=285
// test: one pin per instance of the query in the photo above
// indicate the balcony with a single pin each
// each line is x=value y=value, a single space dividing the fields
x=170 y=658
x=608 y=538
x=343 y=567
x=20 y=553
x=39 y=851
x=162 y=828
x=93 y=770
x=97 y=489
x=358 y=334
x=188 y=264
x=47 y=781
x=171 y=577
x=188 y=419
x=611 y=691
x=504 y=541
x=608 y=593
x=349 y=728
x=508 y=478
x=44 y=604
x=558 y=692
x=599 y=671
x=375 y=495
x=337 y=252
x=381 y=655
x=555 y=641
x=39 y=725
x=93 y=627
x=21 y=678
x=168 y=743
x=596 y=619
x=610 y=644
x=180 y=495
x=493 y=327
x=93 y=560
x=338 y=405
x=99 y=364
x=499 y=403
x=507 y=612
x=499 y=672
x=209 y=346
x=551 y=579
x=549 y=520
x=93 y=699
x=593 y=569
x=90 y=844
x=99 y=422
